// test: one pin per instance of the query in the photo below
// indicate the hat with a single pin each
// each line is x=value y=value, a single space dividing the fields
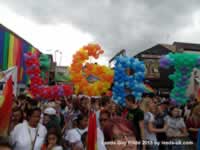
x=50 y=111
x=51 y=104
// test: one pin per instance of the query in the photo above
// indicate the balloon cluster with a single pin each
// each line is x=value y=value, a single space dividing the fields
x=79 y=73
x=123 y=81
x=183 y=64
x=37 y=88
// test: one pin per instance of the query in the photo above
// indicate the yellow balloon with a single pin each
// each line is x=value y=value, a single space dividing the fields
x=78 y=74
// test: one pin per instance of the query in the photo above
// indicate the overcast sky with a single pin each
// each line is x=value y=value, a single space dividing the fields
x=133 y=25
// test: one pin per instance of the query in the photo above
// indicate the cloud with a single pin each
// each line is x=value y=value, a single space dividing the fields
x=115 y=24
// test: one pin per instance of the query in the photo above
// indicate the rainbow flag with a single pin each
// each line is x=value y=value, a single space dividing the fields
x=1 y=47
x=148 y=89
x=19 y=59
x=92 y=132
x=12 y=49
x=5 y=50
x=25 y=49
x=6 y=107
x=28 y=94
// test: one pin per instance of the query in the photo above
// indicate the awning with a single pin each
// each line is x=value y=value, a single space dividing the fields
x=61 y=77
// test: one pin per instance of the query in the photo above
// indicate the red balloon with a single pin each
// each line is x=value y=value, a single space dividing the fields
x=36 y=86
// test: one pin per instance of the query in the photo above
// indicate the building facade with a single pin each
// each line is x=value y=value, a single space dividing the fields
x=158 y=77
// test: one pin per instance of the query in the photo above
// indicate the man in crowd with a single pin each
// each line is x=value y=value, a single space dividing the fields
x=136 y=115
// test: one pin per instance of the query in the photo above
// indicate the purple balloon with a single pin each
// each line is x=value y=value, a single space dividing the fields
x=185 y=77
x=173 y=102
x=198 y=61
x=165 y=62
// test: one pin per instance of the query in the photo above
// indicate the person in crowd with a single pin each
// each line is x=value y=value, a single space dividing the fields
x=71 y=115
x=160 y=123
x=73 y=136
x=105 y=103
x=95 y=106
x=17 y=117
x=105 y=124
x=136 y=115
x=114 y=109
x=193 y=123
x=5 y=144
x=63 y=104
x=85 y=105
x=19 y=101
x=21 y=97
x=50 y=120
x=30 y=134
x=52 y=140
x=59 y=112
x=15 y=103
x=95 y=103
x=176 y=130
x=67 y=128
x=163 y=107
x=149 y=107
x=122 y=131
x=84 y=140
x=27 y=105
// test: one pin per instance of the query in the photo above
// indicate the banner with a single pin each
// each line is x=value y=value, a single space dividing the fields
x=4 y=76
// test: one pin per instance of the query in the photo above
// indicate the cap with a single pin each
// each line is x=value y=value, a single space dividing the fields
x=50 y=111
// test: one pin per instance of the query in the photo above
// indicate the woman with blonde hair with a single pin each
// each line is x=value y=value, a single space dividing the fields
x=145 y=104
x=149 y=107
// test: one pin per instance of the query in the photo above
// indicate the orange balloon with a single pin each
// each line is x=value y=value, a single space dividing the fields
x=79 y=73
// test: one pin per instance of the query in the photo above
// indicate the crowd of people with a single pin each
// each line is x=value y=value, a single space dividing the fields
x=154 y=123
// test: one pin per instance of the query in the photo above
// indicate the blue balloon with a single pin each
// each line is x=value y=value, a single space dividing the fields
x=122 y=80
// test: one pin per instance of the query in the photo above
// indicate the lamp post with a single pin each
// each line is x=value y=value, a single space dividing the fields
x=56 y=51
x=60 y=58
x=55 y=55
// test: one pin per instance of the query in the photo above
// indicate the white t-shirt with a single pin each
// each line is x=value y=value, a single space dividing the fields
x=74 y=135
x=23 y=134
x=149 y=117
x=57 y=148
x=174 y=126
